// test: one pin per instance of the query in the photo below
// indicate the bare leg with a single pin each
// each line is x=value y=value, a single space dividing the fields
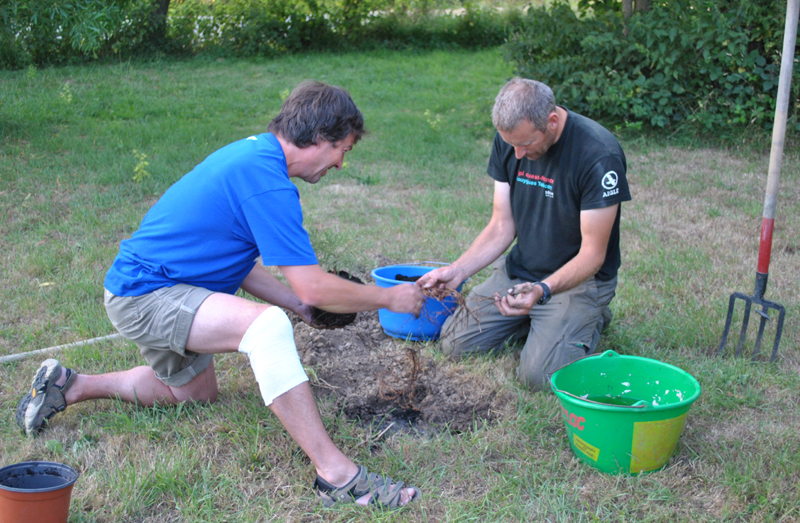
x=140 y=385
x=298 y=413
x=218 y=327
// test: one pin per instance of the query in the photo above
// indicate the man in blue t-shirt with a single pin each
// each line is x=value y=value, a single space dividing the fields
x=559 y=182
x=171 y=289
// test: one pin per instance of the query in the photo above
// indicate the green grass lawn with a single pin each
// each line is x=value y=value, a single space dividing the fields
x=73 y=139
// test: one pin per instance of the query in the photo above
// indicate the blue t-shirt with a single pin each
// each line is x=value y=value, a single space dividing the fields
x=210 y=227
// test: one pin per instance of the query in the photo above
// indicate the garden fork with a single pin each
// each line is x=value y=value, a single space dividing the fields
x=768 y=220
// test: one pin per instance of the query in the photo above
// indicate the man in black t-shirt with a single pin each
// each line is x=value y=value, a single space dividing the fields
x=559 y=182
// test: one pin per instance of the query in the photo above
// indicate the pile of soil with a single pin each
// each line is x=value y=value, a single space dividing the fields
x=381 y=381
x=402 y=277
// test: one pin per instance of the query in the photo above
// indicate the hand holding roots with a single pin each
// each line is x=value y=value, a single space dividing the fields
x=439 y=292
x=442 y=293
x=521 y=288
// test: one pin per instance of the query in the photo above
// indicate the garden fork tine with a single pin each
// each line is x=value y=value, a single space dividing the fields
x=768 y=220
x=758 y=300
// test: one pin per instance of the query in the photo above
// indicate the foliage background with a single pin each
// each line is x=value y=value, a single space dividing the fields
x=49 y=32
x=712 y=64
x=709 y=66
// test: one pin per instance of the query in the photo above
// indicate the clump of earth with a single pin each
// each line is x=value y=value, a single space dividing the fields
x=402 y=277
x=332 y=320
x=386 y=382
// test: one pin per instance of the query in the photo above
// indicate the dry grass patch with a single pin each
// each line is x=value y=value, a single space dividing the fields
x=698 y=213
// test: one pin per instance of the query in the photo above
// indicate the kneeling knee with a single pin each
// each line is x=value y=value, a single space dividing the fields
x=535 y=379
x=203 y=395
x=449 y=347
x=207 y=396
x=456 y=346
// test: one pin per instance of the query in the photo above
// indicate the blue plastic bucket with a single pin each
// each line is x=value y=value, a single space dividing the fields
x=434 y=312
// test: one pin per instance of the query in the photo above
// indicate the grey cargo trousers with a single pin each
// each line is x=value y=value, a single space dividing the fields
x=566 y=328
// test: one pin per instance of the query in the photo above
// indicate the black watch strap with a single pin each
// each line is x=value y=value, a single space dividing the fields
x=546 y=294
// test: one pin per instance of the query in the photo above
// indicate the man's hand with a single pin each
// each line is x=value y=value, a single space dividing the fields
x=406 y=298
x=331 y=293
x=304 y=311
x=441 y=279
x=519 y=300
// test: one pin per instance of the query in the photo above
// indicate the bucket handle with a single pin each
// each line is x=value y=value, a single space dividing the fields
x=596 y=354
x=608 y=354
x=638 y=405
x=427 y=262
x=443 y=264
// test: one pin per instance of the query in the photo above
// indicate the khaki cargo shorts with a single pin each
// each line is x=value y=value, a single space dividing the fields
x=159 y=324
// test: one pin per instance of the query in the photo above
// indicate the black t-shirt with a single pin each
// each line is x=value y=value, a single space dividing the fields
x=584 y=169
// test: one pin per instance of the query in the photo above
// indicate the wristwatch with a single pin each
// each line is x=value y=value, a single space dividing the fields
x=546 y=293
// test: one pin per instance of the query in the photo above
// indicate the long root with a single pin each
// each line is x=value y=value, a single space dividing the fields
x=404 y=394
x=463 y=311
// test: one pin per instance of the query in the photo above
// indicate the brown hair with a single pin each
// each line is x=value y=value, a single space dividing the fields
x=316 y=111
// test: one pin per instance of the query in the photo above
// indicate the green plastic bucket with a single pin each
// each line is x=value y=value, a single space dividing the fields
x=624 y=413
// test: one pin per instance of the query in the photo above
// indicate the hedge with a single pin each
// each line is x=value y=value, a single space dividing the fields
x=711 y=64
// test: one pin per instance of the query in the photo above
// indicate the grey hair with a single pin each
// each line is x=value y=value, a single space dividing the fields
x=523 y=99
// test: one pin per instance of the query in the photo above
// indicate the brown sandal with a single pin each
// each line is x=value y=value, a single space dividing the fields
x=385 y=492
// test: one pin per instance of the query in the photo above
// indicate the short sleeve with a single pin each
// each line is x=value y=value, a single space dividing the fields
x=275 y=220
x=497 y=168
x=605 y=183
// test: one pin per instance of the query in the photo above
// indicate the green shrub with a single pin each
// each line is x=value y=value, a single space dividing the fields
x=267 y=27
x=246 y=27
x=713 y=65
x=45 y=32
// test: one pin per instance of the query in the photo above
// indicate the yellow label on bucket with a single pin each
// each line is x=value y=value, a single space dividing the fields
x=590 y=450
x=654 y=442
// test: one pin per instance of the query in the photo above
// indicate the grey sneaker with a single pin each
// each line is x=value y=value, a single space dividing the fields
x=45 y=399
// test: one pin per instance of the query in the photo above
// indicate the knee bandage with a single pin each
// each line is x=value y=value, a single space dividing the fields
x=269 y=343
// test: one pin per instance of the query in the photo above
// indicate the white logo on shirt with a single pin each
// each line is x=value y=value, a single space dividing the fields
x=609 y=180
x=252 y=138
